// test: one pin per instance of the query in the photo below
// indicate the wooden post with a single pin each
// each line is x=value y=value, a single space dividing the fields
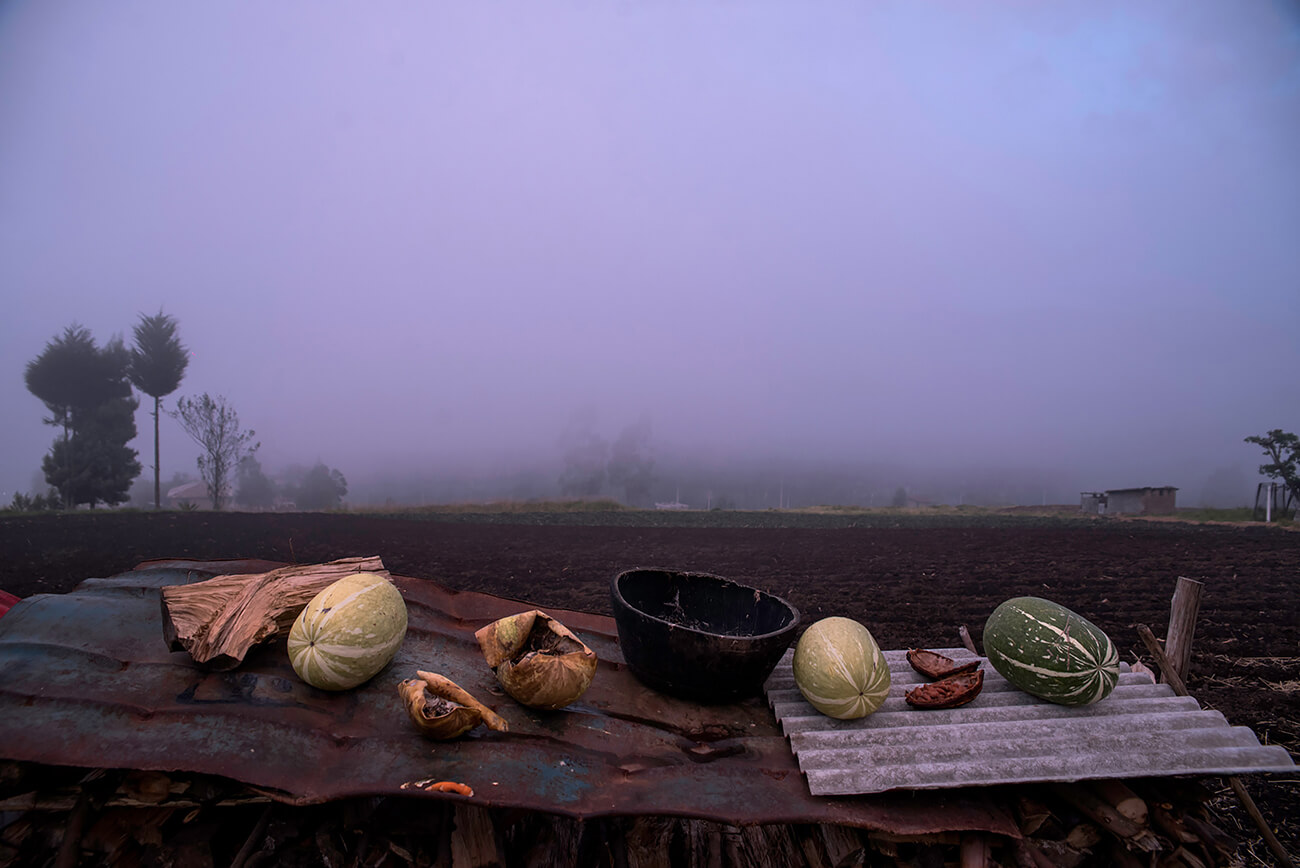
x=1182 y=626
x=1274 y=845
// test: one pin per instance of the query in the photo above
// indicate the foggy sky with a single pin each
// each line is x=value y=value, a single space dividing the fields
x=427 y=234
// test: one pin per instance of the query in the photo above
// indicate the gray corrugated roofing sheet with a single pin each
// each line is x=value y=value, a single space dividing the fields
x=1006 y=736
x=86 y=679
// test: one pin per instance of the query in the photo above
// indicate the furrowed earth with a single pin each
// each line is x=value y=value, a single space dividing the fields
x=911 y=579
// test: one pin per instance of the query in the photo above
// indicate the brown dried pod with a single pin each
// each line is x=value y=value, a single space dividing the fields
x=537 y=660
x=442 y=709
x=934 y=665
x=951 y=692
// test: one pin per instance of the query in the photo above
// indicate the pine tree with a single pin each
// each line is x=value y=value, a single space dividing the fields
x=158 y=362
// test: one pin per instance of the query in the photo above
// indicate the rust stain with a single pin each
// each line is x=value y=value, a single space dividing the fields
x=92 y=667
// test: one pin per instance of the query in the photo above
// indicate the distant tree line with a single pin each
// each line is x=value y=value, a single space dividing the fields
x=87 y=389
x=315 y=488
x=590 y=462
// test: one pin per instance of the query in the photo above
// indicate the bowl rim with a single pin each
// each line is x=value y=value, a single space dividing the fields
x=618 y=594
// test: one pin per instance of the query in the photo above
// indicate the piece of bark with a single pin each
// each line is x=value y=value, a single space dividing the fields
x=1118 y=795
x=1172 y=825
x=646 y=841
x=218 y=620
x=474 y=843
x=702 y=843
x=1031 y=814
x=1084 y=836
x=843 y=844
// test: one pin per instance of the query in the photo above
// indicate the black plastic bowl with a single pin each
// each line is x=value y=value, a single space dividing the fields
x=699 y=636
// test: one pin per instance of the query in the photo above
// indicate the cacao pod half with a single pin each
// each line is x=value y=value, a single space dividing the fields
x=951 y=692
x=934 y=665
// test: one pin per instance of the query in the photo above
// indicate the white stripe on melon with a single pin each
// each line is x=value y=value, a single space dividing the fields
x=348 y=632
x=839 y=669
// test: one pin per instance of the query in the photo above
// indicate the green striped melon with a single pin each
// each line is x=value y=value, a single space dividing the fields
x=1050 y=652
x=348 y=632
x=840 y=670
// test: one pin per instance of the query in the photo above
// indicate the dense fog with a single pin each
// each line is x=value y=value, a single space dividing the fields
x=784 y=253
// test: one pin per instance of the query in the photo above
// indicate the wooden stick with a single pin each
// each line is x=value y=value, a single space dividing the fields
x=1167 y=673
x=70 y=847
x=1270 y=839
x=217 y=621
x=1106 y=816
x=1172 y=826
x=967 y=640
x=1274 y=845
x=1182 y=625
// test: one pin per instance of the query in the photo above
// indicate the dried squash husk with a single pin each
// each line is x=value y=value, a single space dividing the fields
x=936 y=666
x=951 y=692
x=442 y=709
x=537 y=659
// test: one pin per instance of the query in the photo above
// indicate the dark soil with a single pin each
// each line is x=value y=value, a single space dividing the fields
x=912 y=586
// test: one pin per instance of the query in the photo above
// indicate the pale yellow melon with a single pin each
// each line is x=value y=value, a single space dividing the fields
x=840 y=669
x=348 y=632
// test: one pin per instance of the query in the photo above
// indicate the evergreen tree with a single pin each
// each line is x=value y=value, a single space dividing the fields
x=73 y=378
x=255 y=489
x=158 y=362
x=322 y=488
x=95 y=465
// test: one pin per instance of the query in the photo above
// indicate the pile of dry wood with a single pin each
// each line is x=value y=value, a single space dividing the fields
x=96 y=817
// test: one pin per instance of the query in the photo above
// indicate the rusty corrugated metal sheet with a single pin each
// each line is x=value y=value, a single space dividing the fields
x=1007 y=736
x=88 y=681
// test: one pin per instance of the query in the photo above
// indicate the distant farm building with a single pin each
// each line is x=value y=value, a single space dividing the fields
x=1150 y=500
x=189 y=494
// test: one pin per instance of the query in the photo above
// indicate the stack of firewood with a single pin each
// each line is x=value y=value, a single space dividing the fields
x=1161 y=821
x=119 y=818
